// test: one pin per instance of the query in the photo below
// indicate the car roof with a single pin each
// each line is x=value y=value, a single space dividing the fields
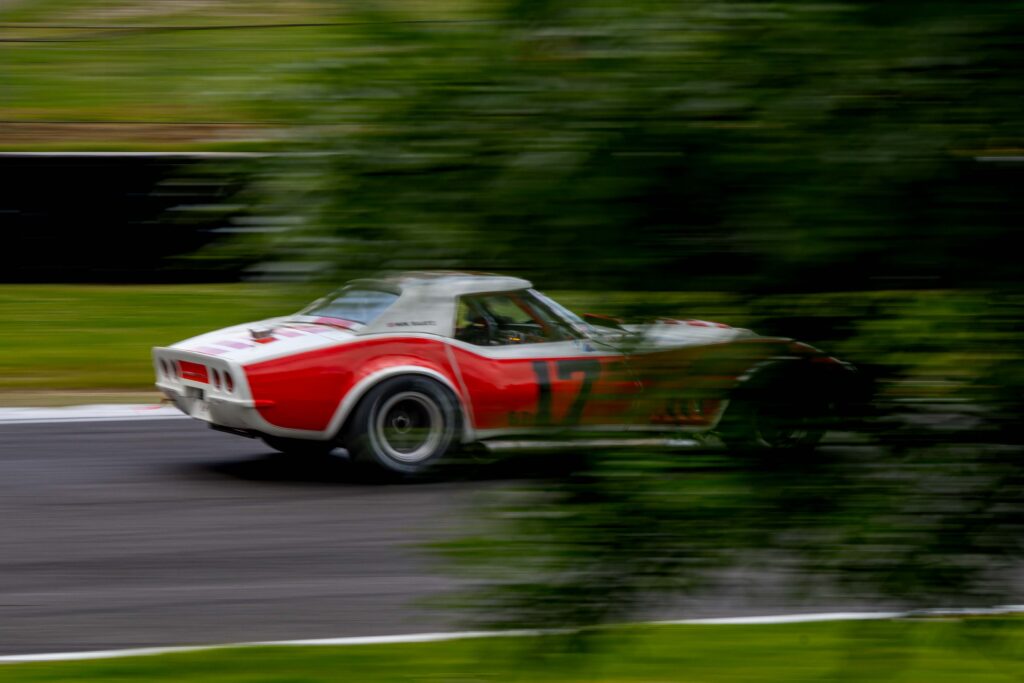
x=444 y=282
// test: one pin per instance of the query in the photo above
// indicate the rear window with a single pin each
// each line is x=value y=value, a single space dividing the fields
x=355 y=305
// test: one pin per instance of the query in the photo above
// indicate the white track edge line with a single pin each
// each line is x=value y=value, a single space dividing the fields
x=782 y=619
x=72 y=420
x=93 y=412
x=466 y=635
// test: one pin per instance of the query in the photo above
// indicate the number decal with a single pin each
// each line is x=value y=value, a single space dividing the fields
x=565 y=369
x=540 y=368
x=591 y=370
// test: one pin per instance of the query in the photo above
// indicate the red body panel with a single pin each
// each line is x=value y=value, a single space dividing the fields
x=680 y=387
x=195 y=372
x=304 y=390
x=532 y=392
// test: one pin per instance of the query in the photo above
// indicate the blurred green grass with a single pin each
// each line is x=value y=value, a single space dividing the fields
x=931 y=651
x=95 y=336
x=79 y=74
x=88 y=89
x=170 y=90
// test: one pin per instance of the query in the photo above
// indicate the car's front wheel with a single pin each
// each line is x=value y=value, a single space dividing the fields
x=781 y=412
x=779 y=426
x=403 y=426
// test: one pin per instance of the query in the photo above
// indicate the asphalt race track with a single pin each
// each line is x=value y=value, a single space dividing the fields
x=163 y=532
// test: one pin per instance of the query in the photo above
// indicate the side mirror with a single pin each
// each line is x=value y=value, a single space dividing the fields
x=604 y=320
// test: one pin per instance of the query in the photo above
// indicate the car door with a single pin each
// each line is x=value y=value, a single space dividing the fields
x=524 y=370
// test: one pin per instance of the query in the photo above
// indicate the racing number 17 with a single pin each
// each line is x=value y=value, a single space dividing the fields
x=565 y=369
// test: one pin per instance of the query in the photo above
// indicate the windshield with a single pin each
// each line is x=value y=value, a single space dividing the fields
x=354 y=305
x=571 y=318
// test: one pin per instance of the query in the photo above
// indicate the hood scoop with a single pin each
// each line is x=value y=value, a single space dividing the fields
x=261 y=335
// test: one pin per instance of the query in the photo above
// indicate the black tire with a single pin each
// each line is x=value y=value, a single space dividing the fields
x=403 y=426
x=301 y=448
x=783 y=410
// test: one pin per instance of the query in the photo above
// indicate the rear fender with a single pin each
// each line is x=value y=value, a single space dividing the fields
x=375 y=376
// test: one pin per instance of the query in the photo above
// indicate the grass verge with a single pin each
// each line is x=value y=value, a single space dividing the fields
x=933 y=651
x=74 y=337
x=166 y=74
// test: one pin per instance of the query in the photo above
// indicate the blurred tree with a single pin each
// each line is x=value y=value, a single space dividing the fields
x=633 y=533
x=664 y=145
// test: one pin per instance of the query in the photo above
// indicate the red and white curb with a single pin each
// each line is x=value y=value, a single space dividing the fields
x=466 y=635
x=88 y=413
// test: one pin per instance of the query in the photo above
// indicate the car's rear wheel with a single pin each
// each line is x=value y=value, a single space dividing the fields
x=403 y=426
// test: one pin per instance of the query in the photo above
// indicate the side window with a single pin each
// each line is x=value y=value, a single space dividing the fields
x=502 y=319
x=469 y=325
x=510 y=312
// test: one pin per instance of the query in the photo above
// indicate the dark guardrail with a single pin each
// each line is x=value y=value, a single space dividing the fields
x=119 y=217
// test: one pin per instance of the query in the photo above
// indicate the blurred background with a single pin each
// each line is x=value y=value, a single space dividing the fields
x=847 y=173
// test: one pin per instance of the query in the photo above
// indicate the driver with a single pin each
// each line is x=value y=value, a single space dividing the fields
x=475 y=328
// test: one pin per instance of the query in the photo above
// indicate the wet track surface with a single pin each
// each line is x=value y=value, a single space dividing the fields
x=163 y=532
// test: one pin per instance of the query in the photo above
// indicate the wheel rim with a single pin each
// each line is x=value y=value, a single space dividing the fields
x=782 y=425
x=408 y=427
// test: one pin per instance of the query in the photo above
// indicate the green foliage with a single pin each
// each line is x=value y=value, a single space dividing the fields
x=633 y=530
x=664 y=145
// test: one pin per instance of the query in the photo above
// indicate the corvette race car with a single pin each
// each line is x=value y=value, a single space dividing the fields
x=400 y=370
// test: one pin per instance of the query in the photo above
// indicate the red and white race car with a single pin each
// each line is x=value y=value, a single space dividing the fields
x=401 y=370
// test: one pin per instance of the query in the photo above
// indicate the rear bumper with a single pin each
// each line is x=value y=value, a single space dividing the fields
x=225 y=411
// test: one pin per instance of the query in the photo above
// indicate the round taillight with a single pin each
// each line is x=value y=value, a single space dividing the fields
x=229 y=382
x=215 y=376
